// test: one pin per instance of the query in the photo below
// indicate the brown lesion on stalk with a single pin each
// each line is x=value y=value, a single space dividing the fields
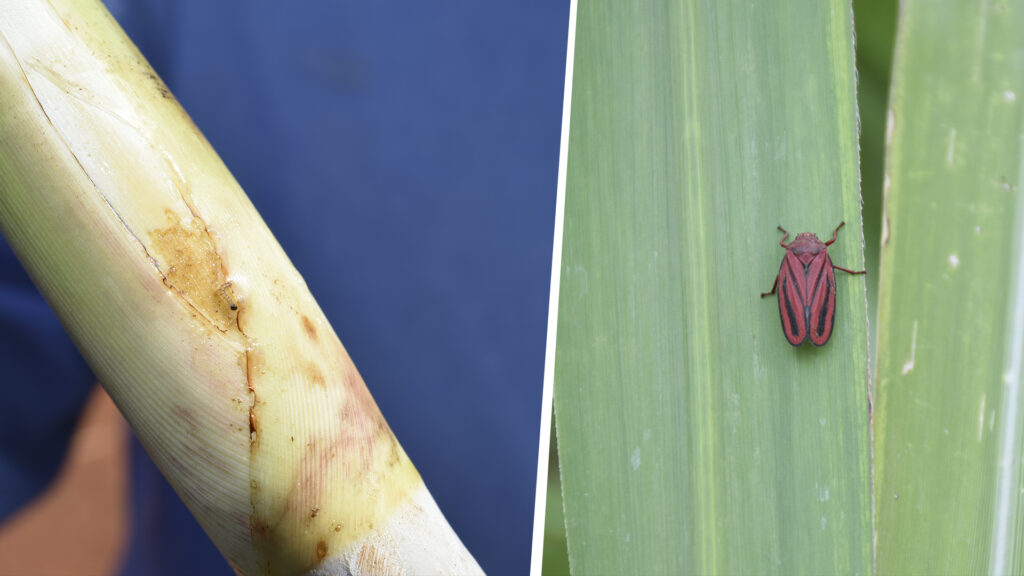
x=187 y=257
x=259 y=529
x=191 y=266
x=310 y=329
x=253 y=361
x=315 y=375
x=157 y=82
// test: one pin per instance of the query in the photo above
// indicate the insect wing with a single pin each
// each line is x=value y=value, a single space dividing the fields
x=792 y=297
x=821 y=282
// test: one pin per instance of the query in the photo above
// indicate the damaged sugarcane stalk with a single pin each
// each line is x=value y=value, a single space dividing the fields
x=192 y=316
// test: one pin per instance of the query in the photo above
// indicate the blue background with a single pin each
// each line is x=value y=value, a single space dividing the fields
x=405 y=155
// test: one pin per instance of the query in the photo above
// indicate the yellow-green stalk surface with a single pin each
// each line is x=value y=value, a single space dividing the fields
x=192 y=316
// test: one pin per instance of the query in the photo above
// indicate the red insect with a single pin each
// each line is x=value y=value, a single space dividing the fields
x=807 y=288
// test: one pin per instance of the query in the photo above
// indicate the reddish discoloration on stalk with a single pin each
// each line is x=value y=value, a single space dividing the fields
x=355 y=449
x=196 y=452
x=193 y=451
x=184 y=415
x=260 y=529
x=373 y=560
x=358 y=434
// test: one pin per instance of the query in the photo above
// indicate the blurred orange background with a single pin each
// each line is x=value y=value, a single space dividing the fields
x=77 y=526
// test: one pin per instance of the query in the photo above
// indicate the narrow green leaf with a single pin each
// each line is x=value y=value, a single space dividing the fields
x=875 y=22
x=951 y=336
x=693 y=438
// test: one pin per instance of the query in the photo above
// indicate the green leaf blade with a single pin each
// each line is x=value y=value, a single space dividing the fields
x=948 y=477
x=693 y=438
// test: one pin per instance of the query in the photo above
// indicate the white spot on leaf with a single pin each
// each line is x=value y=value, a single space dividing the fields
x=981 y=418
x=954 y=260
x=909 y=364
x=634 y=459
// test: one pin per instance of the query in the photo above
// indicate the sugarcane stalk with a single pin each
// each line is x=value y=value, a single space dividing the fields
x=192 y=316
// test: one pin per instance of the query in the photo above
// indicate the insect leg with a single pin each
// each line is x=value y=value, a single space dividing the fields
x=835 y=233
x=774 y=286
x=848 y=271
x=783 y=243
